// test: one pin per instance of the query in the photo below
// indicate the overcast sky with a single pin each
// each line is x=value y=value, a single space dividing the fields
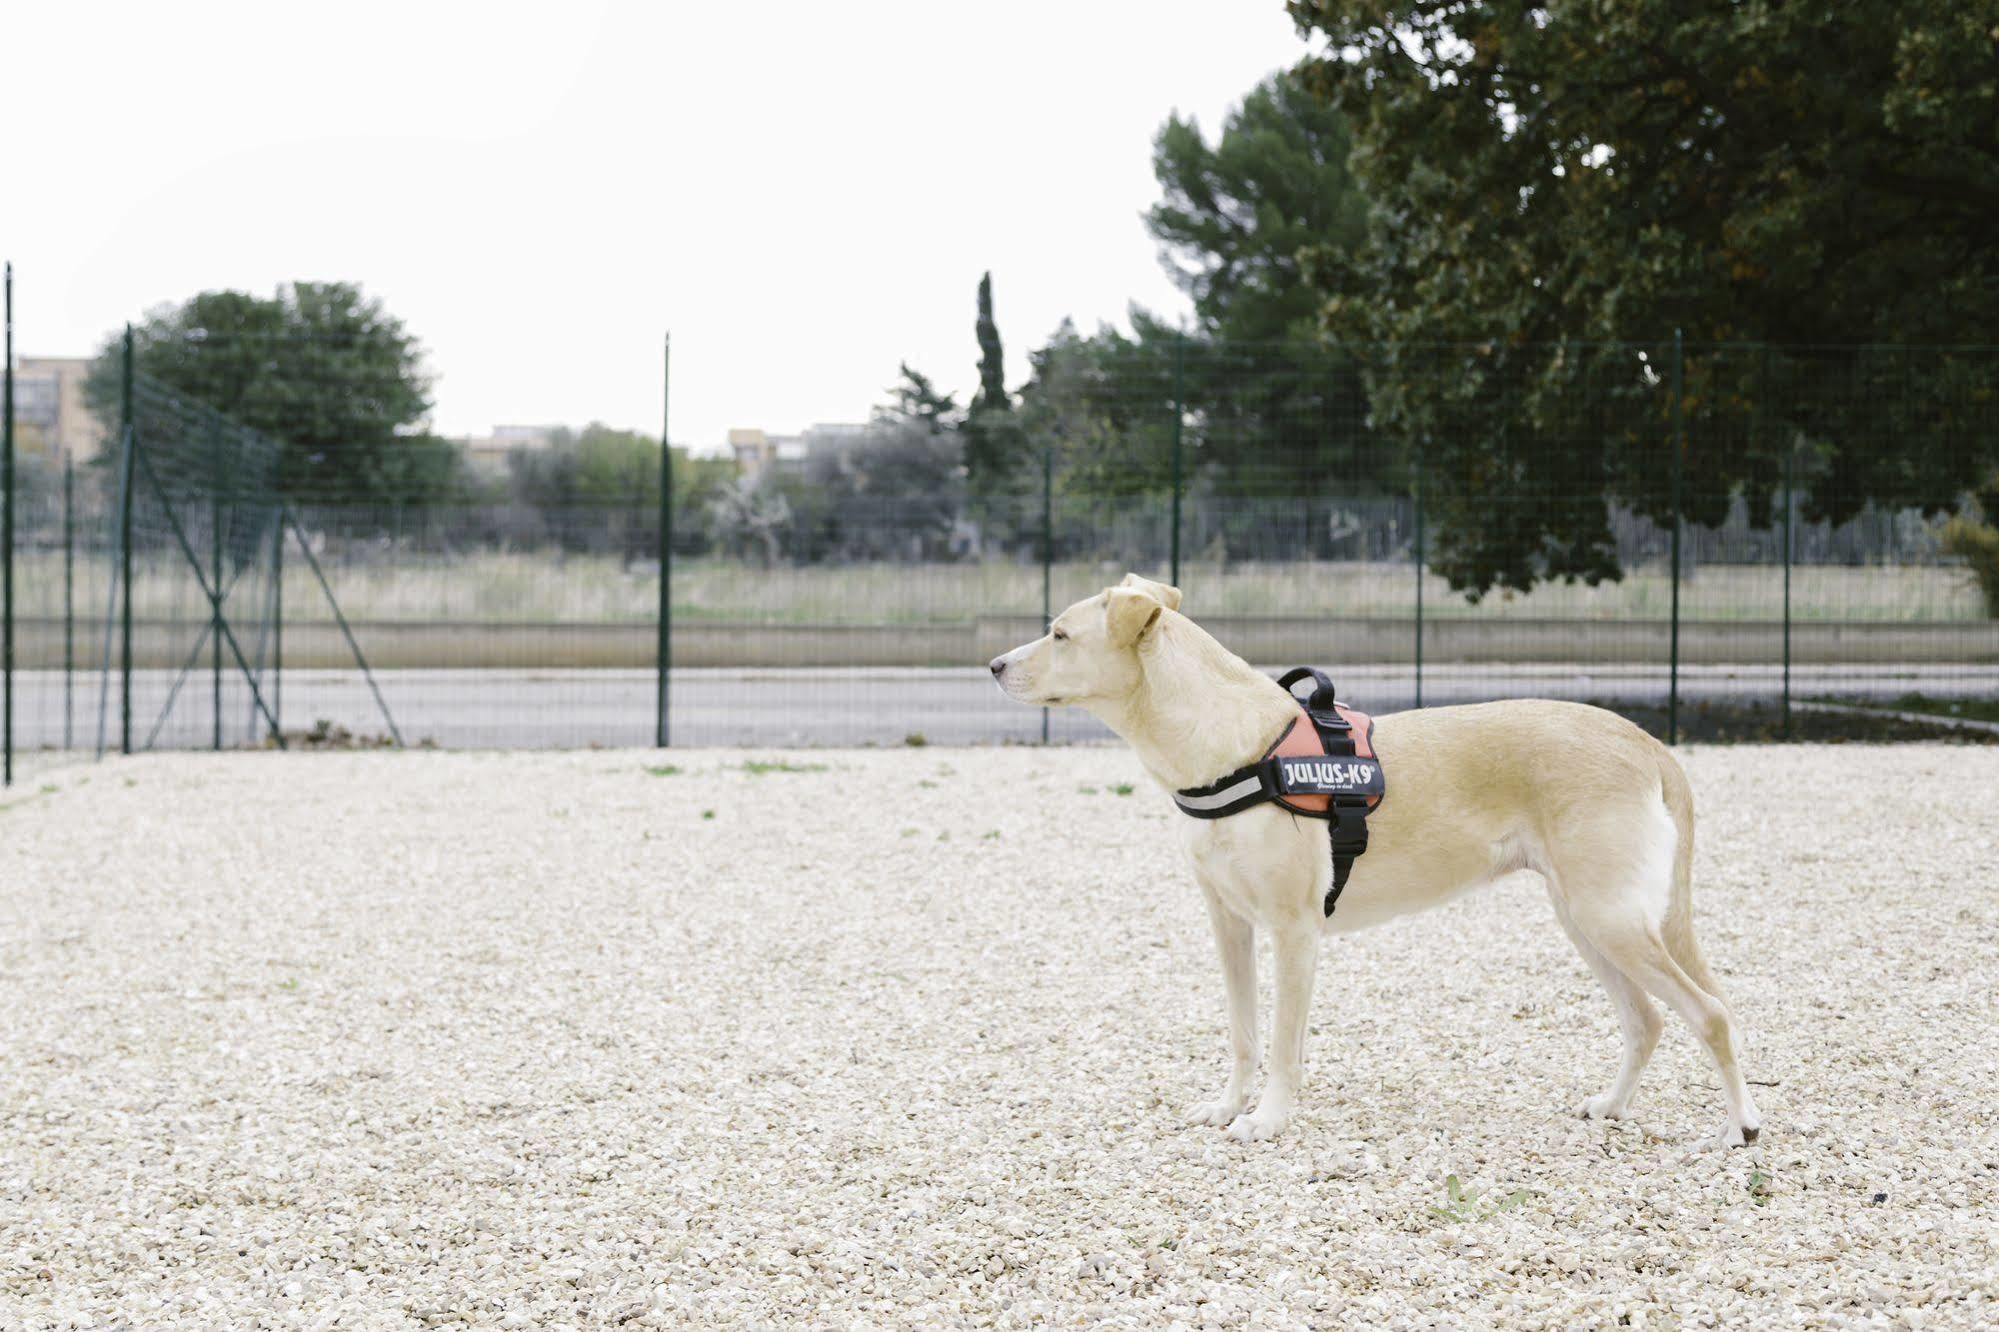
x=804 y=194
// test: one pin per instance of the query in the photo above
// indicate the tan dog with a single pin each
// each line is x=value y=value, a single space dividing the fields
x=1596 y=807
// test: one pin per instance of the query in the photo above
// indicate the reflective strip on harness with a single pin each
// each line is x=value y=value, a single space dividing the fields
x=1251 y=785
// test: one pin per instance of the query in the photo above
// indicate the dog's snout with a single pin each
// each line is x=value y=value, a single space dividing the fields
x=999 y=666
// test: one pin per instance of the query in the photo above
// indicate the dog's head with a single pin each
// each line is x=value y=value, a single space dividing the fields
x=1090 y=652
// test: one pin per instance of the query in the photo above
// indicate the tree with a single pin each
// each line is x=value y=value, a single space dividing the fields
x=320 y=367
x=894 y=490
x=1104 y=405
x=747 y=520
x=1555 y=183
x=1276 y=410
x=899 y=489
x=1973 y=536
x=915 y=398
x=598 y=489
x=992 y=439
x=1269 y=408
x=1235 y=214
x=992 y=395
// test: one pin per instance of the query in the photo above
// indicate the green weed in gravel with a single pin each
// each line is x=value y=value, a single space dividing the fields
x=1463 y=1205
x=758 y=767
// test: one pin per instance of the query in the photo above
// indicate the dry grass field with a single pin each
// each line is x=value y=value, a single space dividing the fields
x=546 y=587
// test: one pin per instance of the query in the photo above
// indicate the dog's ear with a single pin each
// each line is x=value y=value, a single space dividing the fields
x=1169 y=597
x=1129 y=613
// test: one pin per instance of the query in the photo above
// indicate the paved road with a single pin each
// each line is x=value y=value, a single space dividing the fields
x=570 y=708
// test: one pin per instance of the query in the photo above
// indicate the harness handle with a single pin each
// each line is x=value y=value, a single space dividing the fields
x=1321 y=699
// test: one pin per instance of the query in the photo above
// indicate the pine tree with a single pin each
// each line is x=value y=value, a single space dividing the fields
x=915 y=399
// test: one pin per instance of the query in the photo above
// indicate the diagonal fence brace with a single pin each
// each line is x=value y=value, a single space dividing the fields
x=352 y=644
x=187 y=667
x=201 y=576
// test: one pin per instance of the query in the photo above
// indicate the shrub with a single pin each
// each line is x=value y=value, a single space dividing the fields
x=1977 y=544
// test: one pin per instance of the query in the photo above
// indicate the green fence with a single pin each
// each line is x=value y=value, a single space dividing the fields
x=1714 y=539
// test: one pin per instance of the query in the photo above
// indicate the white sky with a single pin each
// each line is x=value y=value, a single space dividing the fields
x=805 y=194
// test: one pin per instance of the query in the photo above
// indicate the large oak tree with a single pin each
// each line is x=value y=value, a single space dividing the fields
x=1559 y=187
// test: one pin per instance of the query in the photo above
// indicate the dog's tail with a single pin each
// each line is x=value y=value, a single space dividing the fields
x=1678 y=927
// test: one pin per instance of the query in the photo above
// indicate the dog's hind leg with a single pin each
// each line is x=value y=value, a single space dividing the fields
x=1621 y=875
x=1641 y=953
x=1295 y=949
x=1236 y=939
x=1624 y=932
x=1636 y=1016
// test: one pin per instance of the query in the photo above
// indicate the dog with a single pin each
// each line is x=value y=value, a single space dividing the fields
x=1582 y=797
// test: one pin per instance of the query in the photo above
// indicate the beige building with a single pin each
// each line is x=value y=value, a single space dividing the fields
x=487 y=454
x=754 y=451
x=49 y=413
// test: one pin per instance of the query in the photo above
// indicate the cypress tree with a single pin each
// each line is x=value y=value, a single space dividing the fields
x=992 y=363
x=991 y=438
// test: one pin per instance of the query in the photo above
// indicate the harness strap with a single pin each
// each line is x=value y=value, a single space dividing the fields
x=1344 y=733
x=1349 y=824
x=1251 y=784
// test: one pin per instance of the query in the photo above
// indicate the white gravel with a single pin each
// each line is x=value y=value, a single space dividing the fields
x=394 y=1041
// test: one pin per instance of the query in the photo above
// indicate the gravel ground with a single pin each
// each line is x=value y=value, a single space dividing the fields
x=903 y=1038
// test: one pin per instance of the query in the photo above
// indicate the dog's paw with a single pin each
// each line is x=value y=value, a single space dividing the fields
x=1215 y=1114
x=1256 y=1126
x=1601 y=1106
x=1737 y=1135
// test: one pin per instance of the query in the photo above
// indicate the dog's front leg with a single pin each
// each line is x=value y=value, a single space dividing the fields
x=1295 y=946
x=1236 y=939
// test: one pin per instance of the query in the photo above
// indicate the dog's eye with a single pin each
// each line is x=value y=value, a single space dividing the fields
x=1060 y=637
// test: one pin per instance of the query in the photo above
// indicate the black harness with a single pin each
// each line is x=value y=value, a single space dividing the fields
x=1329 y=773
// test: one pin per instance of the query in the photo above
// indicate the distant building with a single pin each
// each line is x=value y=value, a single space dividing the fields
x=753 y=451
x=49 y=412
x=488 y=453
x=756 y=452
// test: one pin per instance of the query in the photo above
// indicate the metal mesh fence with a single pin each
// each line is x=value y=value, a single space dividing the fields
x=1435 y=525
x=203 y=521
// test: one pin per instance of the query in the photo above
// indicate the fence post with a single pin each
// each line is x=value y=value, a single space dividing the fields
x=215 y=483
x=1790 y=510
x=131 y=434
x=663 y=660
x=68 y=602
x=1179 y=416
x=1679 y=451
x=1048 y=553
x=7 y=544
x=107 y=639
x=1416 y=494
x=278 y=627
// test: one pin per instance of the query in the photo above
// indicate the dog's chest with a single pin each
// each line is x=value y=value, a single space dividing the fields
x=1259 y=859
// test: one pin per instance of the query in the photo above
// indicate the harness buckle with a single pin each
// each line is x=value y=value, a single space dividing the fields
x=1330 y=721
x=1349 y=826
